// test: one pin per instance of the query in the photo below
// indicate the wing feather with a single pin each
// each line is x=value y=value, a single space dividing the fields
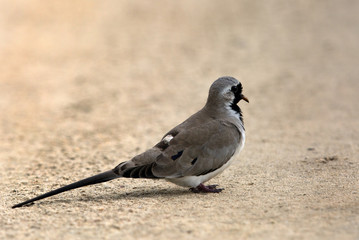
x=211 y=144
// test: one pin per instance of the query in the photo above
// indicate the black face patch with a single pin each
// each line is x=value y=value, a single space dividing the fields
x=237 y=90
x=234 y=89
x=194 y=161
x=179 y=154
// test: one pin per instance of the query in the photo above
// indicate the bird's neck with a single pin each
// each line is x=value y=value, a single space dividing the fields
x=230 y=112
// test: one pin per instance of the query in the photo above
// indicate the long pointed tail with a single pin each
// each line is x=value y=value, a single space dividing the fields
x=99 y=178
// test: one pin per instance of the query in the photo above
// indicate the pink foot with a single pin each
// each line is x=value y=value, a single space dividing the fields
x=206 y=189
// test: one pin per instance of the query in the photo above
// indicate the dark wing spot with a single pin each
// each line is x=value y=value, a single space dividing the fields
x=162 y=145
x=179 y=154
x=173 y=133
x=194 y=161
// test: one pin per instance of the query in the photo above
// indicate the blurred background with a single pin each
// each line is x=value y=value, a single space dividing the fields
x=87 y=84
x=70 y=58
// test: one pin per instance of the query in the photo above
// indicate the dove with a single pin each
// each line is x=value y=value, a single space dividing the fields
x=190 y=154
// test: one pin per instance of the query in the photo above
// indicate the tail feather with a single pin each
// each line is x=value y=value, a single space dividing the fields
x=99 y=178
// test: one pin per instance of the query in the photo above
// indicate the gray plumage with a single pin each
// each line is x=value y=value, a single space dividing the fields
x=191 y=153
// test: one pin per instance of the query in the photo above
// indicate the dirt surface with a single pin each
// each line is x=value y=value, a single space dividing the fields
x=85 y=85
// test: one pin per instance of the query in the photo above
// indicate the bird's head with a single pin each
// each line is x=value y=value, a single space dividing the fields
x=225 y=91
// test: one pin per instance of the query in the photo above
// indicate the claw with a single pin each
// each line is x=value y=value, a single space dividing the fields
x=206 y=189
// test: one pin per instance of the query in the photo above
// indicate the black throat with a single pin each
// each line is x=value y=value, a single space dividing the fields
x=235 y=108
x=237 y=97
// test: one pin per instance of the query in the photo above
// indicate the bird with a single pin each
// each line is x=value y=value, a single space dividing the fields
x=191 y=153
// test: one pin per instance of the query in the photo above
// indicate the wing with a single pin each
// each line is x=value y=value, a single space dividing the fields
x=192 y=148
x=198 y=150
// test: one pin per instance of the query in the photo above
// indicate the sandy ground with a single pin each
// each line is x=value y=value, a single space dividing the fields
x=85 y=85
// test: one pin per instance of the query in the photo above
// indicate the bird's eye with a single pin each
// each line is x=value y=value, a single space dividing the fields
x=234 y=89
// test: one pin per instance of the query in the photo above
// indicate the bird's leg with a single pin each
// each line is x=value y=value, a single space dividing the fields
x=206 y=189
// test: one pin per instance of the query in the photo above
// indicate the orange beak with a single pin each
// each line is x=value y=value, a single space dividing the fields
x=244 y=98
